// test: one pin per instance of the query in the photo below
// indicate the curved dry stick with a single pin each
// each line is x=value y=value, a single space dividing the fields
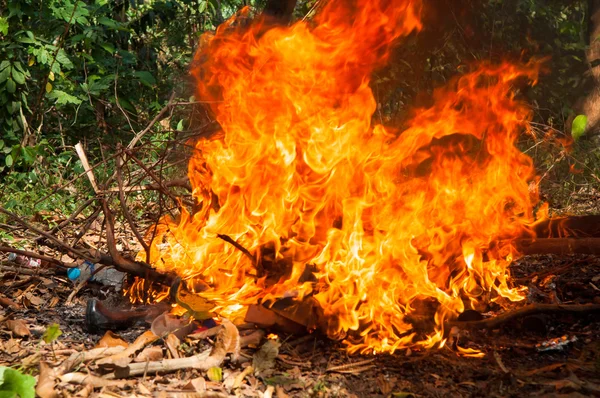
x=531 y=309
x=46 y=235
x=50 y=260
x=123 y=264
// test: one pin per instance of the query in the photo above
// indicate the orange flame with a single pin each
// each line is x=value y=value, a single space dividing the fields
x=379 y=226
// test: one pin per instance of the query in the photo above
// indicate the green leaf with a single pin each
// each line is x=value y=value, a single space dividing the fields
x=180 y=125
x=52 y=333
x=108 y=47
x=145 y=78
x=4 y=64
x=8 y=160
x=215 y=374
x=127 y=105
x=111 y=23
x=578 y=127
x=29 y=154
x=14 y=383
x=1 y=144
x=63 y=98
x=18 y=76
x=10 y=85
x=3 y=26
x=4 y=73
x=63 y=59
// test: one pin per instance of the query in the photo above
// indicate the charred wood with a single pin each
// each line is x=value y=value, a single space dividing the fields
x=528 y=310
x=560 y=246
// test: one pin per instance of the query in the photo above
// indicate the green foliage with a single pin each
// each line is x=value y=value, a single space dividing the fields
x=16 y=384
x=52 y=333
x=89 y=71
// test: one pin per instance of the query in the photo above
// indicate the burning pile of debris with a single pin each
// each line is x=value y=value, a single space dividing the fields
x=368 y=230
x=308 y=215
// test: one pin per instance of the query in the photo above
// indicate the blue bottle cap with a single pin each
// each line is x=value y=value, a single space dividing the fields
x=73 y=273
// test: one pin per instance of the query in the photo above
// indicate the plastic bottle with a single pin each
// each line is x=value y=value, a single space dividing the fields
x=107 y=276
x=24 y=260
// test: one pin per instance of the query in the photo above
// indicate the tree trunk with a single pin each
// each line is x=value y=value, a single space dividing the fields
x=589 y=104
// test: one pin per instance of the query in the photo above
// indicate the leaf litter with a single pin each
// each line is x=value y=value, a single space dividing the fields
x=42 y=337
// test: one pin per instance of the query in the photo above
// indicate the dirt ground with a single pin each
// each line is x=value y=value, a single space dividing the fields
x=514 y=365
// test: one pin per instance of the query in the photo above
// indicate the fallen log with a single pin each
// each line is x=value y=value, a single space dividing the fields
x=569 y=226
x=560 y=246
x=531 y=309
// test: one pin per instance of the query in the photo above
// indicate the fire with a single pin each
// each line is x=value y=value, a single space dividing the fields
x=381 y=227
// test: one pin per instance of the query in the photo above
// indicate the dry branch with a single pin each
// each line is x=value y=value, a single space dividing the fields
x=126 y=213
x=47 y=259
x=203 y=361
x=123 y=264
x=95 y=381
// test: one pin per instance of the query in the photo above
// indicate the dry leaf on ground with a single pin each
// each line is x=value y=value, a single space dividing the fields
x=198 y=385
x=111 y=339
x=18 y=327
x=154 y=353
x=264 y=359
x=45 y=387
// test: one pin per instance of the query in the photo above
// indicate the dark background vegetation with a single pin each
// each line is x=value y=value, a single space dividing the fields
x=97 y=71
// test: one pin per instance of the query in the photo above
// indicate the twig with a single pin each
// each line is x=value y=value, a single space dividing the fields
x=126 y=213
x=498 y=359
x=78 y=211
x=352 y=367
x=553 y=271
x=72 y=180
x=152 y=122
x=87 y=225
x=86 y=166
x=45 y=234
x=241 y=248
x=95 y=381
x=50 y=260
x=203 y=361
x=180 y=182
x=162 y=189
x=531 y=309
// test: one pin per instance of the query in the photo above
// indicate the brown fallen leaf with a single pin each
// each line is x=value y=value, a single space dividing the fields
x=6 y=302
x=111 y=339
x=46 y=384
x=12 y=346
x=124 y=357
x=166 y=323
x=173 y=343
x=154 y=353
x=264 y=359
x=228 y=340
x=198 y=384
x=18 y=327
x=280 y=392
x=34 y=300
x=143 y=389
